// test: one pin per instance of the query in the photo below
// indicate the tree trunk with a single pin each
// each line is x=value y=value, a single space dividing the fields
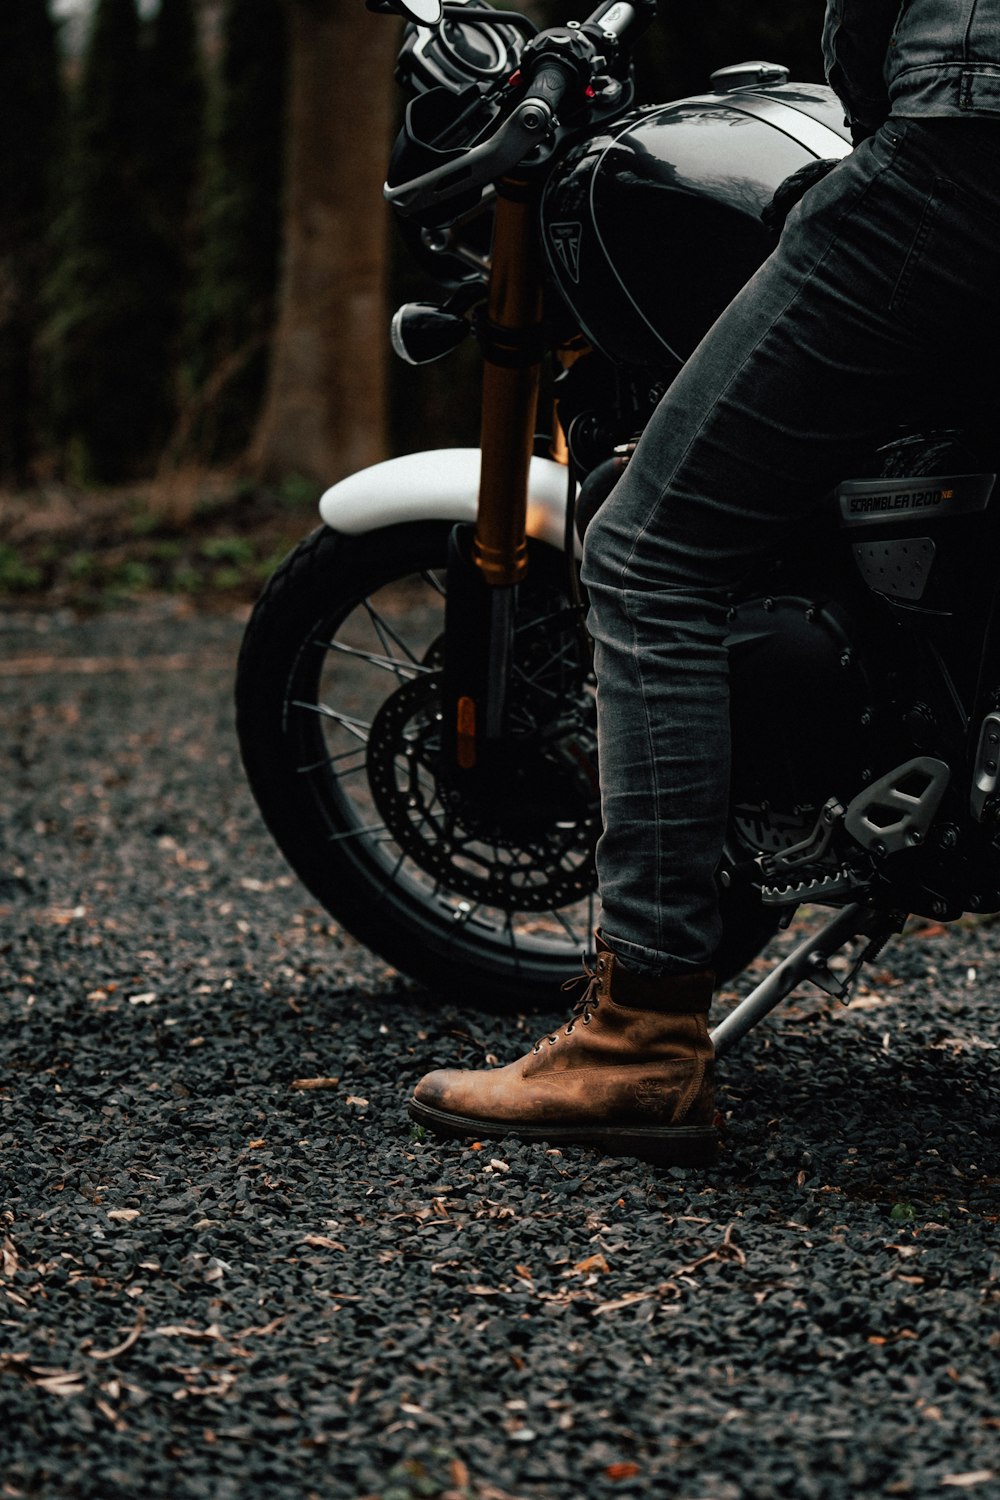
x=324 y=414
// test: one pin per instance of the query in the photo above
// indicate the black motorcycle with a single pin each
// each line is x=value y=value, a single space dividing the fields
x=415 y=693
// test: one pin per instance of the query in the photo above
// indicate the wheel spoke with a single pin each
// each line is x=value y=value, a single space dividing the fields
x=570 y=931
x=385 y=633
x=360 y=728
x=359 y=832
x=331 y=760
x=557 y=658
x=400 y=861
x=434 y=582
x=407 y=670
x=509 y=931
x=539 y=620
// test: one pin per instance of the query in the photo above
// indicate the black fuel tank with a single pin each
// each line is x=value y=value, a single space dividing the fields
x=652 y=226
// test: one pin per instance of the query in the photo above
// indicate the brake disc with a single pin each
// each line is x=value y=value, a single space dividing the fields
x=525 y=850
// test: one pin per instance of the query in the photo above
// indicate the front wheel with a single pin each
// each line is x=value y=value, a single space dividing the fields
x=338 y=719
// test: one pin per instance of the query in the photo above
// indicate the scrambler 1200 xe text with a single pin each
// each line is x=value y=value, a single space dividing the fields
x=415 y=697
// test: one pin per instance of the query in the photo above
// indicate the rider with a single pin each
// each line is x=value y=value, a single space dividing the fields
x=880 y=299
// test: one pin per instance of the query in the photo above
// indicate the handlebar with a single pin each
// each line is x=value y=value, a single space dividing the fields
x=550 y=83
x=554 y=63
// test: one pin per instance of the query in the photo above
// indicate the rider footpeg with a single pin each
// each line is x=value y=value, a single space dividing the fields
x=824 y=885
x=801 y=872
x=810 y=849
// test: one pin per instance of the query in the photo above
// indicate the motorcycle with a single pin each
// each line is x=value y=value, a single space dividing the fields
x=415 y=696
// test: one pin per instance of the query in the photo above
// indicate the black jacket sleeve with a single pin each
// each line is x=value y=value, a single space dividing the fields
x=856 y=36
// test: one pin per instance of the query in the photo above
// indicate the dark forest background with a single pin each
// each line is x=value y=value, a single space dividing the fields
x=196 y=268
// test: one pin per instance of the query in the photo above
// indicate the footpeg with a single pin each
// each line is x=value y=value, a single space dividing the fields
x=809 y=850
x=798 y=873
x=821 y=886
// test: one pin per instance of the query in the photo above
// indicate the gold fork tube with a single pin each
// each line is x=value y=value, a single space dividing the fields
x=512 y=349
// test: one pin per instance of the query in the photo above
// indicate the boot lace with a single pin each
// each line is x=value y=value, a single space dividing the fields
x=583 y=1007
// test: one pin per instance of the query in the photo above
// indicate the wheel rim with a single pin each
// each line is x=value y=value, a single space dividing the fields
x=486 y=895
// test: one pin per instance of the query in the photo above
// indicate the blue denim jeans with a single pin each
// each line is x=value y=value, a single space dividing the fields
x=881 y=304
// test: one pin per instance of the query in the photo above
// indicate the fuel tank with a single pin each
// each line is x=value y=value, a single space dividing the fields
x=652 y=226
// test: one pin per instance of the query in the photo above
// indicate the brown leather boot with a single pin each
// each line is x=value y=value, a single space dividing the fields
x=631 y=1080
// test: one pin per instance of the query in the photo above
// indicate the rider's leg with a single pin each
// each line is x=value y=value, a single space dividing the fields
x=883 y=280
x=814 y=359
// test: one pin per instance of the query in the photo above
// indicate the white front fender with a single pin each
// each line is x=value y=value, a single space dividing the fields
x=439 y=485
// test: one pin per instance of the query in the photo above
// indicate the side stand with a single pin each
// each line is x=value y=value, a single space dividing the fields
x=807 y=961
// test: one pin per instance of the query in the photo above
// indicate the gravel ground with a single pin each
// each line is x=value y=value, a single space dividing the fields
x=218 y=1281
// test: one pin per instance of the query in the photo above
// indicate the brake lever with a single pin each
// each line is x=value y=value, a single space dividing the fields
x=530 y=125
x=487 y=16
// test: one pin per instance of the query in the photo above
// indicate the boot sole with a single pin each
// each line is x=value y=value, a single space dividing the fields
x=664 y=1146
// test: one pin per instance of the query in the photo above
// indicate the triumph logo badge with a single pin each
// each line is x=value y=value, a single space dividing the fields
x=565 y=239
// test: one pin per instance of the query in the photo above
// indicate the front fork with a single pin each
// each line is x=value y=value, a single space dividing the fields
x=487 y=562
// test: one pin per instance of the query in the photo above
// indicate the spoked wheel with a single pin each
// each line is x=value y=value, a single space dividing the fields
x=338 y=714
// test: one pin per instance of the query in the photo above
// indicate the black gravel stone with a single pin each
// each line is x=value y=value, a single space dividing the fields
x=213 y=1284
